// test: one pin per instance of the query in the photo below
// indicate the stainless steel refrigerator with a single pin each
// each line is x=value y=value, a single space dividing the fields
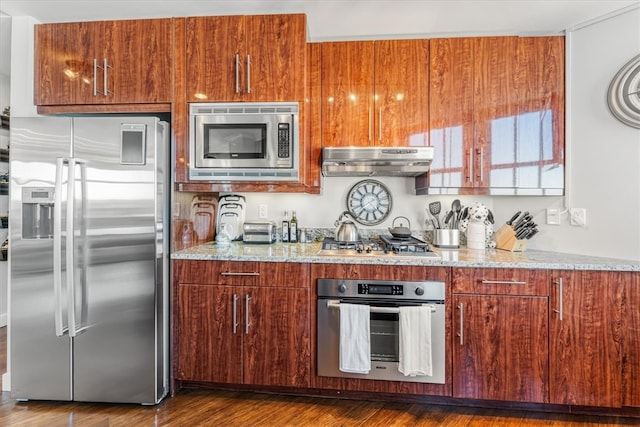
x=88 y=259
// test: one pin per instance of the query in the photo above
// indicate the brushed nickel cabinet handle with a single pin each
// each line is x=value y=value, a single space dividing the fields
x=235 y=313
x=461 y=333
x=237 y=73
x=481 y=165
x=380 y=125
x=502 y=282
x=248 y=74
x=239 y=273
x=95 y=75
x=105 y=72
x=470 y=157
x=247 y=300
x=560 y=285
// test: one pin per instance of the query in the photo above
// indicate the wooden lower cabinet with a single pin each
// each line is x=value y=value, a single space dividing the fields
x=631 y=339
x=501 y=348
x=585 y=338
x=500 y=344
x=236 y=334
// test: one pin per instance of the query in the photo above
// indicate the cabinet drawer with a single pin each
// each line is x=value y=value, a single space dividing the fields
x=284 y=274
x=251 y=273
x=500 y=281
x=217 y=272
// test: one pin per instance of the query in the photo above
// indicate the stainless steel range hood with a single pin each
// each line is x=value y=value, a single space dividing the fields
x=376 y=161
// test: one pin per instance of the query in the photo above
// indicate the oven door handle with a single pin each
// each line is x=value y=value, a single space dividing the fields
x=332 y=303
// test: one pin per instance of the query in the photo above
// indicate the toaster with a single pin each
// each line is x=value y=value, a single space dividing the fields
x=259 y=232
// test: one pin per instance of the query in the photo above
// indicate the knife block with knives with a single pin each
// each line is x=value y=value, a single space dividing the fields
x=505 y=238
x=513 y=235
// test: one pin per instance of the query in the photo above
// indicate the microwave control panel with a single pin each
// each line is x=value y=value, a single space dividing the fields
x=284 y=140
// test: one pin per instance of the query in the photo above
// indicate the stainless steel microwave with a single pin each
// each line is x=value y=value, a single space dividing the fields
x=244 y=141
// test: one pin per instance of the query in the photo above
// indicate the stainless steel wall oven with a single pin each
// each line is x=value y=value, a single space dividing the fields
x=384 y=299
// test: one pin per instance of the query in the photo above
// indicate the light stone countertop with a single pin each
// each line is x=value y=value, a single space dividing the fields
x=463 y=257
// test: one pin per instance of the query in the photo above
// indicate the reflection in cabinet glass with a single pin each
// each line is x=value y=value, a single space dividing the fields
x=497 y=120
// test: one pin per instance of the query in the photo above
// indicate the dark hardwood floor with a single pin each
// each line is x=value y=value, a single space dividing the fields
x=228 y=408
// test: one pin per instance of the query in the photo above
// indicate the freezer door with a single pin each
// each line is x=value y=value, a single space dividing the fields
x=40 y=361
x=117 y=291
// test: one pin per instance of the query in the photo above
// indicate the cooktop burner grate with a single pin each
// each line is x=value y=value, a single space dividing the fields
x=378 y=246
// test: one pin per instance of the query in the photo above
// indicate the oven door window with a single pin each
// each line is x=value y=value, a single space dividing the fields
x=384 y=337
x=235 y=141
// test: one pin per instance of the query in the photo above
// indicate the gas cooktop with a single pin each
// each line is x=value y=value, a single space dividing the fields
x=381 y=246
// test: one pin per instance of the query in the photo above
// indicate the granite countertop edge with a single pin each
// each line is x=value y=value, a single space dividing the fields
x=463 y=257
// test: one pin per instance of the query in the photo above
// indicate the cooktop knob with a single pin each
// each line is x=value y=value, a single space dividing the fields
x=342 y=288
x=419 y=291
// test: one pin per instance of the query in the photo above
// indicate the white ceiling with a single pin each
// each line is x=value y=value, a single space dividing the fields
x=348 y=19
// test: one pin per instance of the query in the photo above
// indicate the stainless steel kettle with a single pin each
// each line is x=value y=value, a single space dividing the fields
x=346 y=230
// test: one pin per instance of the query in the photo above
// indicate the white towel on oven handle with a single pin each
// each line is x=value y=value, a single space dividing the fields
x=355 y=338
x=415 y=356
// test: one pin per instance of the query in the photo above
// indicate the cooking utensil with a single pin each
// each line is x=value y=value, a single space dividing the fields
x=434 y=209
x=456 y=207
x=524 y=218
x=346 y=230
x=448 y=218
x=400 y=232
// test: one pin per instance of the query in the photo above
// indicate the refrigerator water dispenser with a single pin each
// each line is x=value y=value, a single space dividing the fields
x=37 y=212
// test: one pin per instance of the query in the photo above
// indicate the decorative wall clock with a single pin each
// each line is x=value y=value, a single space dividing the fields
x=369 y=202
x=624 y=94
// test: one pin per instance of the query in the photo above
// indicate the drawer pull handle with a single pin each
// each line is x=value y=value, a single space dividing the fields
x=502 y=282
x=237 y=273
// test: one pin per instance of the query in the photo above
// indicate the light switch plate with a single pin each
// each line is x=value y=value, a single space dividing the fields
x=553 y=216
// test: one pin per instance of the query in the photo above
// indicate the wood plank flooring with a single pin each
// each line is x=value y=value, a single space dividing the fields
x=230 y=409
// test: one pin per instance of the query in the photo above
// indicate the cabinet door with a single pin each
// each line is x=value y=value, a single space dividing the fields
x=347 y=99
x=64 y=70
x=451 y=111
x=70 y=62
x=276 y=52
x=631 y=343
x=139 y=55
x=495 y=105
x=277 y=348
x=215 y=58
x=208 y=347
x=401 y=93
x=585 y=339
x=501 y=348
x=537 y=152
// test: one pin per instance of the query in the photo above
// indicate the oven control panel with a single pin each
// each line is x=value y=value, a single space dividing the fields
x=380 y=289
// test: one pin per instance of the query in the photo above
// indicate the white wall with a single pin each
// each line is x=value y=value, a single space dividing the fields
x=603 y=155
x=603 y=161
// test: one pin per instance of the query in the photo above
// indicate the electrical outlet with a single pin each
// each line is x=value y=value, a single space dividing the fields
x=578 y=216
x=553 y=216
x=263 y=212
x=176 y=210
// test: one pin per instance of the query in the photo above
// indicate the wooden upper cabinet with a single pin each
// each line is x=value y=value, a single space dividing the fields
x=497 y=115
x=70 y=62
x=246 y=58
x=375 y=93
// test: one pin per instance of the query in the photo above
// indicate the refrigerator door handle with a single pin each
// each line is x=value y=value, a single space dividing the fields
x=57 y=249
x=70 y=241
